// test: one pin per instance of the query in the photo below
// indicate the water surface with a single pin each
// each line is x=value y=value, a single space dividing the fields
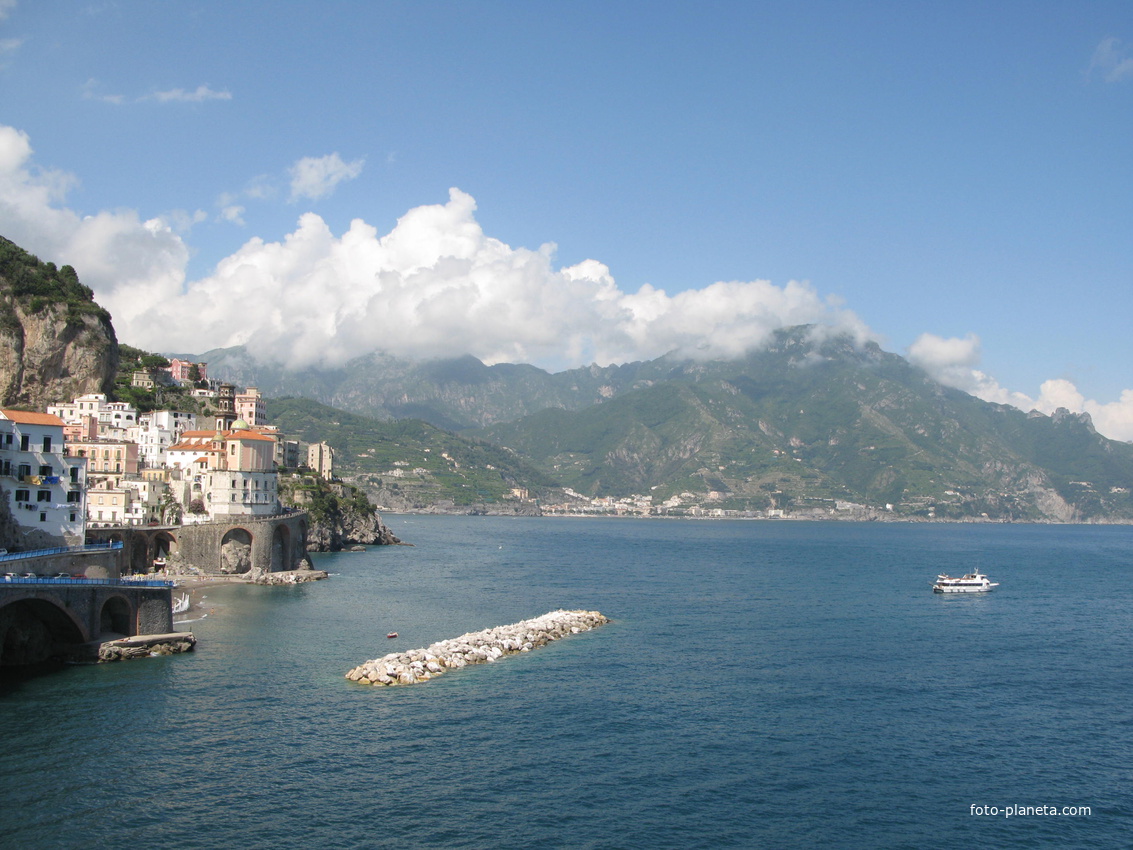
x=763 y=685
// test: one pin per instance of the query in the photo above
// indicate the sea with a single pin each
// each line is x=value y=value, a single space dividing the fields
x=771 y=684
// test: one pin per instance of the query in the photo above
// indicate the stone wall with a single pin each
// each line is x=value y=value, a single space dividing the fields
x=106 y=563
x=251 y=547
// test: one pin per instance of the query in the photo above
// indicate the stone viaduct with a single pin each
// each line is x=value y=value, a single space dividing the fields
x=252 y=545
x=42 y=620
x=44 y=616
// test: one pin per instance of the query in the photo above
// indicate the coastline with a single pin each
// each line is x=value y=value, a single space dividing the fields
x=195 y=585
x=794 y=518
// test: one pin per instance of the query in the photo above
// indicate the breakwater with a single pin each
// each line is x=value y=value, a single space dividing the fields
x=419 y=665
x=143 y=646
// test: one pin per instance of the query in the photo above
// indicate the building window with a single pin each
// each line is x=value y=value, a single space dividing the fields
x=75 y=496
x=47 y=443
x=44 y=471
x=43 y=496
x=24 y=442
x=42 y=516
x=23 y=495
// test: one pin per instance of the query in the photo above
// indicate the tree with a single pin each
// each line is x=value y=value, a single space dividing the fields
x=170 y=509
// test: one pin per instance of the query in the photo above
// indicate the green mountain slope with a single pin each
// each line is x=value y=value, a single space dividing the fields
x=808 y=424
x=408 y=464
x=453 y=394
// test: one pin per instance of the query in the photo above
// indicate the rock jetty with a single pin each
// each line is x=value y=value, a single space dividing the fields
x=420 y=665
x=143 y=646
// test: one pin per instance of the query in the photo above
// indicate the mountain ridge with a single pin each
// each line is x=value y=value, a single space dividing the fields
x=810 y=420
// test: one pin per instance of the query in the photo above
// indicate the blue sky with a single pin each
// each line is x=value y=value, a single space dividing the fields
x=954 y=180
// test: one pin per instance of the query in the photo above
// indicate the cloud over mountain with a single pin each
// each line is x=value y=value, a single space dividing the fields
x=953 y=363
x=434 y=285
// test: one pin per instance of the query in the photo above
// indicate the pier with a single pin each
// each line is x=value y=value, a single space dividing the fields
x=420 y=665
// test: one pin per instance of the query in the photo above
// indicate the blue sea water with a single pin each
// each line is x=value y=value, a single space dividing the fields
x=763 y=684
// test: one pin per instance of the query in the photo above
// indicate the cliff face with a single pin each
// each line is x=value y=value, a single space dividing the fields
x=340 y=515
x=332 y=534
x=48 y=357
x=55 y=341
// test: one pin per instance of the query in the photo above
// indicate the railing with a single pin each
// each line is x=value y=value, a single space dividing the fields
x=41 y=580
x=61 y=550
x=73 y=582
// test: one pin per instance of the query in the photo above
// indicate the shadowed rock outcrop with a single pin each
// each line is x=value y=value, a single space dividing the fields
x=55 y=341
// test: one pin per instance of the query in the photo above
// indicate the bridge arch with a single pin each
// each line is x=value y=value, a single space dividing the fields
x=281 y=547
x=116 y=616
x=137 y=557
x=236 y=551
x=164 y=544
x=34 y=630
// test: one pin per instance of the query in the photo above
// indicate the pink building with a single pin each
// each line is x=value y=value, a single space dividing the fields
x=180 y=369
x=251 y=407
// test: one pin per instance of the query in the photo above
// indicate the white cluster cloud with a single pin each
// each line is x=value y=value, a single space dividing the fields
x=199 y=95
x=436 y=285
x=92 y=90
x=316 y=177
x=8 y=46
x=1112 y=60
x=129 y=262
x=953 y=362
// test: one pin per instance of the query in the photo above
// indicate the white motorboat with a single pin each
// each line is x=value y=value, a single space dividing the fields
x=975 y=582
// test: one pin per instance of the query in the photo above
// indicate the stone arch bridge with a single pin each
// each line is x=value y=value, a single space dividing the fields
x=45 y=619
x=251 y=545
x=71 y=598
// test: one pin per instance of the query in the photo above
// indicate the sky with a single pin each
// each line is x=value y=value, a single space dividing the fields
x=566 y=183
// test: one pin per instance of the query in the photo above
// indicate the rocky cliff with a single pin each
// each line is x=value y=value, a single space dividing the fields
x=340 y=514
x=55 y=341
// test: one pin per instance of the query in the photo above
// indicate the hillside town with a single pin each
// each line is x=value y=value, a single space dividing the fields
x=96 y=463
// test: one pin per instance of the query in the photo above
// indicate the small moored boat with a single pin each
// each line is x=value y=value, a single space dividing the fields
x=975 y=582
x=392 y=635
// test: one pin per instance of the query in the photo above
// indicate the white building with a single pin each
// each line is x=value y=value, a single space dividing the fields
x=232 y=472
x=157 y=431
x=45 y=488
x=113 y=416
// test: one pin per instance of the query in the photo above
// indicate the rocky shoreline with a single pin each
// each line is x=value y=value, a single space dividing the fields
x=145 y=646
x=419 y=665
